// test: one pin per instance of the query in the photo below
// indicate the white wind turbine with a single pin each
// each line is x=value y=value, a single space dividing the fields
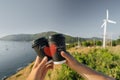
x=78 y=43
x=105 y=26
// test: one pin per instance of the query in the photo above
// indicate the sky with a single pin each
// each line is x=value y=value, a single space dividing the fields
x=81 y=18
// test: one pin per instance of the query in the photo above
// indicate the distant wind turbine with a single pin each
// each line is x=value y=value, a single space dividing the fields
x=78 y=43
x=104 y=25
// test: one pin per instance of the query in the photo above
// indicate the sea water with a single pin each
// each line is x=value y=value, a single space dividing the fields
x=14 y=56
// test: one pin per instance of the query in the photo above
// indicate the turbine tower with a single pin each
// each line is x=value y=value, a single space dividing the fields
x=78 y=43
x=104 y=25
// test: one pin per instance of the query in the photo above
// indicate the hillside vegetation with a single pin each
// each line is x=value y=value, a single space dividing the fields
x=30 y=37
x=106 y=61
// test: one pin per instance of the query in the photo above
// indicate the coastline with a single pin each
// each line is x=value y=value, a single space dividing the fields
x=22 y=73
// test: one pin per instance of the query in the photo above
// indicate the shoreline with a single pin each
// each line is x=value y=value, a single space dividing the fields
x=17 y=71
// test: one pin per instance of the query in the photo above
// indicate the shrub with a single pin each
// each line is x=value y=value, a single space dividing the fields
x=99 y=59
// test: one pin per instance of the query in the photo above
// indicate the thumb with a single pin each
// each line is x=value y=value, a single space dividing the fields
x=67 y=56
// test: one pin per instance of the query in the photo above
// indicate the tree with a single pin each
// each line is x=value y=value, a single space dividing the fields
x=98 y=43
x=118 y=41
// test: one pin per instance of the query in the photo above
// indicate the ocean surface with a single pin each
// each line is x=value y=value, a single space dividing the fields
x=14 y=56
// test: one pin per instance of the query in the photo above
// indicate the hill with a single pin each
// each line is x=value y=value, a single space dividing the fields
x=26 y=37
x=18 y=37
x=30 y=37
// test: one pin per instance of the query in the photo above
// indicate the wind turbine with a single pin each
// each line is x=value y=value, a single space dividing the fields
x=104 y=25
x=78 y=43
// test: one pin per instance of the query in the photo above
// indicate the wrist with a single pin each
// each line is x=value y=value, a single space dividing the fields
x=76 y=65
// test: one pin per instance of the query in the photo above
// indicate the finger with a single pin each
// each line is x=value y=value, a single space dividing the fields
x=45 y=70
x=66 y=56
x=49 y=62
x=37 y=62
x=43 y=62
x=50 y=66
x=44 y=74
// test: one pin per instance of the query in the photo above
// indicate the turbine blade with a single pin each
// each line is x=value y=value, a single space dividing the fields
x=110 y=21
x=103 y=24
x=107 y=14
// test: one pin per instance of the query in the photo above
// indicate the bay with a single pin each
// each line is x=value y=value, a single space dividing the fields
x=14 y=55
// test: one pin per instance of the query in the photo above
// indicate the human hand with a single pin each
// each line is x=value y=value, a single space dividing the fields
x=70 y=60
x=40 y=69
x=83 y=70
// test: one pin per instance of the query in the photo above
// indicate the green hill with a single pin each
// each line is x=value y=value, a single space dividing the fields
x=30 y=37
x=18 y=37
x=26 y=37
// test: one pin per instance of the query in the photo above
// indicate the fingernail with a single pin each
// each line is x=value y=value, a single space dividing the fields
x=45 y=58
x=62 y=52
